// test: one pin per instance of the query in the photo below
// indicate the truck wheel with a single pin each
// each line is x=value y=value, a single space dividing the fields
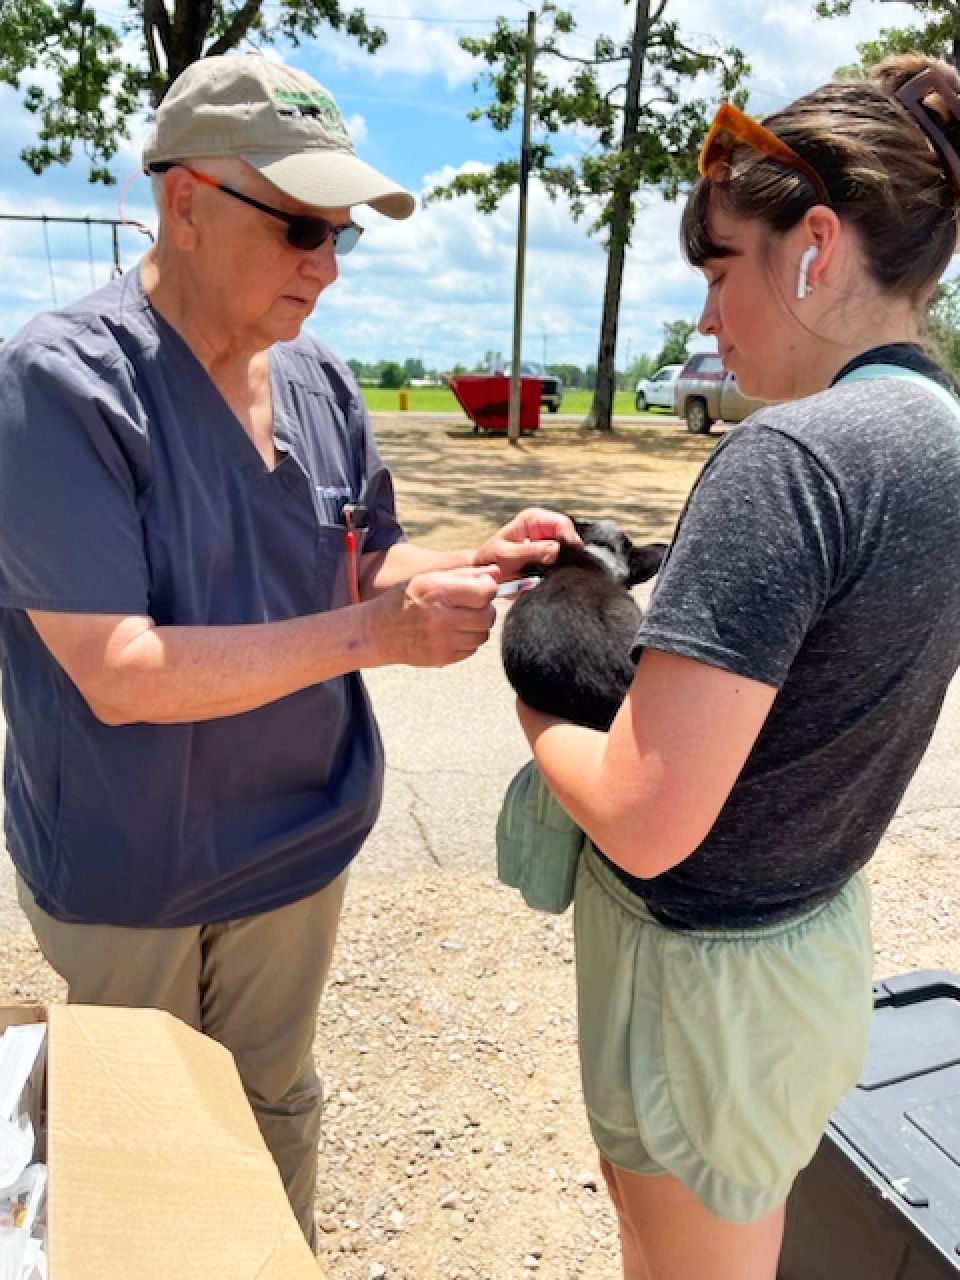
x=552 y=408
x=698 y=420
x=641 y=402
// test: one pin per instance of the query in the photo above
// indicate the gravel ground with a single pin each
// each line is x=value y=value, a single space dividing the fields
x=454 y=1143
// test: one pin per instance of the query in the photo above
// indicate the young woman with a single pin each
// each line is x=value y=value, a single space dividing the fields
x=795 y=655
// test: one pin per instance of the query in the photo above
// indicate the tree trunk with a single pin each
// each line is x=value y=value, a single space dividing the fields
x=191 y=22
x=181 y=38
x=600 y=416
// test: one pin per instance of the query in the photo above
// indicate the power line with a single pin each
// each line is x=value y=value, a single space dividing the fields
x=429 y=22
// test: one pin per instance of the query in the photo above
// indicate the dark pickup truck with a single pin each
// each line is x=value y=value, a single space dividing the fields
x=551 y=388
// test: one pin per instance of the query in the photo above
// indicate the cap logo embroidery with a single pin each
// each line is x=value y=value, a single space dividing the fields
x=318 y=106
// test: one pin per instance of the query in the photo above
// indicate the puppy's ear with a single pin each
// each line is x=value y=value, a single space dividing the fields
x=643 y=562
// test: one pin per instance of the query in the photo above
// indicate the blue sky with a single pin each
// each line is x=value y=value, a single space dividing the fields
x=440 y=285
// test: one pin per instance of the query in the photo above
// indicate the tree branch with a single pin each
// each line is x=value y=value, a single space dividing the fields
x=240 y=24
x=615 y=88
x=951 y=6
x=698 y=53
x=156 y=20
x=584 y=62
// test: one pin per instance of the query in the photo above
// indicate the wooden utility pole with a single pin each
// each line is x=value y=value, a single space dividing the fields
x=513 y=421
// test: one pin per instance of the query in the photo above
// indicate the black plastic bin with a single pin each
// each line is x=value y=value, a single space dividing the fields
x=881 y=1198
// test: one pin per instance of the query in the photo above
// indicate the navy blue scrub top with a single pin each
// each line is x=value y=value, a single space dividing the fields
x=128 y=486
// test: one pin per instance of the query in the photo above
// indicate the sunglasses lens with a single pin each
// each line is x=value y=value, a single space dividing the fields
x=345 y=238
x=311 y=233
x=308 y=233
x=715 y=158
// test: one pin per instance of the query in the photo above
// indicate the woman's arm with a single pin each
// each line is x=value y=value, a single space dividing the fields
x=648 y=792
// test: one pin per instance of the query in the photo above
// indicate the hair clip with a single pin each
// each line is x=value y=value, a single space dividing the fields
x=911 y=97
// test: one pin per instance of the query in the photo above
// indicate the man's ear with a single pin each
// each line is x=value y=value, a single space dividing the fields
x=643 y=562
x=180 y=207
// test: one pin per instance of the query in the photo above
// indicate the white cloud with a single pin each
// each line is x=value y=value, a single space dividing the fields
x=441 y=285
x=357 y=128
x=414 y=48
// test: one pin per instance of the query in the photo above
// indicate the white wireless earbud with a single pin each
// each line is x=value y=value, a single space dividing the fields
x=807 y=257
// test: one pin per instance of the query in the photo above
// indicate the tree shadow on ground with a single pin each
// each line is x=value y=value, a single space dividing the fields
x=454 y=486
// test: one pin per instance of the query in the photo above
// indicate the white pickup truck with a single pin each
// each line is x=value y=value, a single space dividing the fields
x=705 y=392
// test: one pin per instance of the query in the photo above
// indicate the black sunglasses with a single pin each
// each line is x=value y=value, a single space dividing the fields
x=303 y=232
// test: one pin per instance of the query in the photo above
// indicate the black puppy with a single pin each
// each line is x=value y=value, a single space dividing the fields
x=566 y=642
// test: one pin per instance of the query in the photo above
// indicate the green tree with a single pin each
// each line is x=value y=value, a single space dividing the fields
x=571 y=375
x=391 y=375
x=87 y=87
x=944 y=324
x=676 y=336
x=640 y=367
x=632 y=97
x=937 y=32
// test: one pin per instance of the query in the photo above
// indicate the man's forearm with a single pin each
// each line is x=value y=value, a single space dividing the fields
x=381 y=570
x=170 y=675
x=130 y=670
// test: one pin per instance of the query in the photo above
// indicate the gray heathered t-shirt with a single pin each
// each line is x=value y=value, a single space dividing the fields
x=128 y=486
x=819 y=552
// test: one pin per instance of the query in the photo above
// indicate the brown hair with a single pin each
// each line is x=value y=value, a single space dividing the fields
x=884 y=176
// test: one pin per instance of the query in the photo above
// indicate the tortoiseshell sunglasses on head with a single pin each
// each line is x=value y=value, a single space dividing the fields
x=731 y=127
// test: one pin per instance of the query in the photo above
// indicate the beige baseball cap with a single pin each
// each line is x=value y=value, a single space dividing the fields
x=279 y=120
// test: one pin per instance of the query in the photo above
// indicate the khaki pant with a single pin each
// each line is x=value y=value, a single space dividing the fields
x=252 y=984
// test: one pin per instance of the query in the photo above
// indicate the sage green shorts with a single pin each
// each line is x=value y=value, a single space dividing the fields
x=718 y=1055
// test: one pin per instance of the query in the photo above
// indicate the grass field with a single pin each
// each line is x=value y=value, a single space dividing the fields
x=442 y=400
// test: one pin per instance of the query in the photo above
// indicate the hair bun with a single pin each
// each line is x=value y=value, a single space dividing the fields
x=926 y=89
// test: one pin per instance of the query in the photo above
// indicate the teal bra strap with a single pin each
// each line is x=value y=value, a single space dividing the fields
x=897 y=371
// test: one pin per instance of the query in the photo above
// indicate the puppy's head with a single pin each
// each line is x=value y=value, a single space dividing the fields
x=626 y=562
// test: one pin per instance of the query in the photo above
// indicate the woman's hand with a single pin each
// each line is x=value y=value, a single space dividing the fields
x=532 y=537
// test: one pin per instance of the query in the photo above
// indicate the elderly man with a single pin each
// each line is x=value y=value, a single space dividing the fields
x=198 y=553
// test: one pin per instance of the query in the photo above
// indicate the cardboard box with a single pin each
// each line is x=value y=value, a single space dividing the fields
x=156 y=1164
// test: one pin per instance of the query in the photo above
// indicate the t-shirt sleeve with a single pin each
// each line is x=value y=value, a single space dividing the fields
x=70 y=533
x=758 y=552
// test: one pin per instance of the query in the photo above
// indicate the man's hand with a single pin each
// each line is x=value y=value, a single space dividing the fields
x=435 y=619
x=532 y=537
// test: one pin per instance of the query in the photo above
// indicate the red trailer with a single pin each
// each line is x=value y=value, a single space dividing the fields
x=485 y=399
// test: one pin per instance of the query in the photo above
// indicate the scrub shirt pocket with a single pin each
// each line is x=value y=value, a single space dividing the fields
x=333 y=582
x=304 y=537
